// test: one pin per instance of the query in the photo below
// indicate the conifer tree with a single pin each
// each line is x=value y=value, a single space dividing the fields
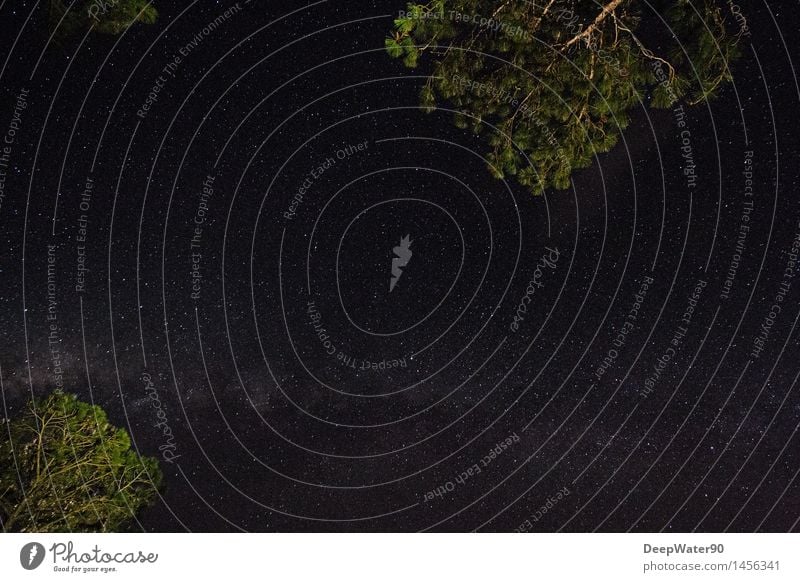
x=559 y=78
x=65 y=468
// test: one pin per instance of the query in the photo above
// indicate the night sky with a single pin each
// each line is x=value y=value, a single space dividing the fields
x=213 y=265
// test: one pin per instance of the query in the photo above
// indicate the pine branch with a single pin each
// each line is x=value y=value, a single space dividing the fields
x=607 y=9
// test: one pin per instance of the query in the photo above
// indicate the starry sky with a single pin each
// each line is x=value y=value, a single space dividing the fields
x=201 y=220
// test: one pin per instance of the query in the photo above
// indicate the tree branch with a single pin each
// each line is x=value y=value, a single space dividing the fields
x=607 y=9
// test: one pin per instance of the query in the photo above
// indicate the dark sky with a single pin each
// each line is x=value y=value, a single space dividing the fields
x=246 y=330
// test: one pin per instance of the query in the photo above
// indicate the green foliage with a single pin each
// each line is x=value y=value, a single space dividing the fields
x=103 y=16
x=65 y=468
x=558 y=78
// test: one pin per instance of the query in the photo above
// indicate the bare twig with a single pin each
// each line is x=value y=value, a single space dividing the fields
x=607 y=9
